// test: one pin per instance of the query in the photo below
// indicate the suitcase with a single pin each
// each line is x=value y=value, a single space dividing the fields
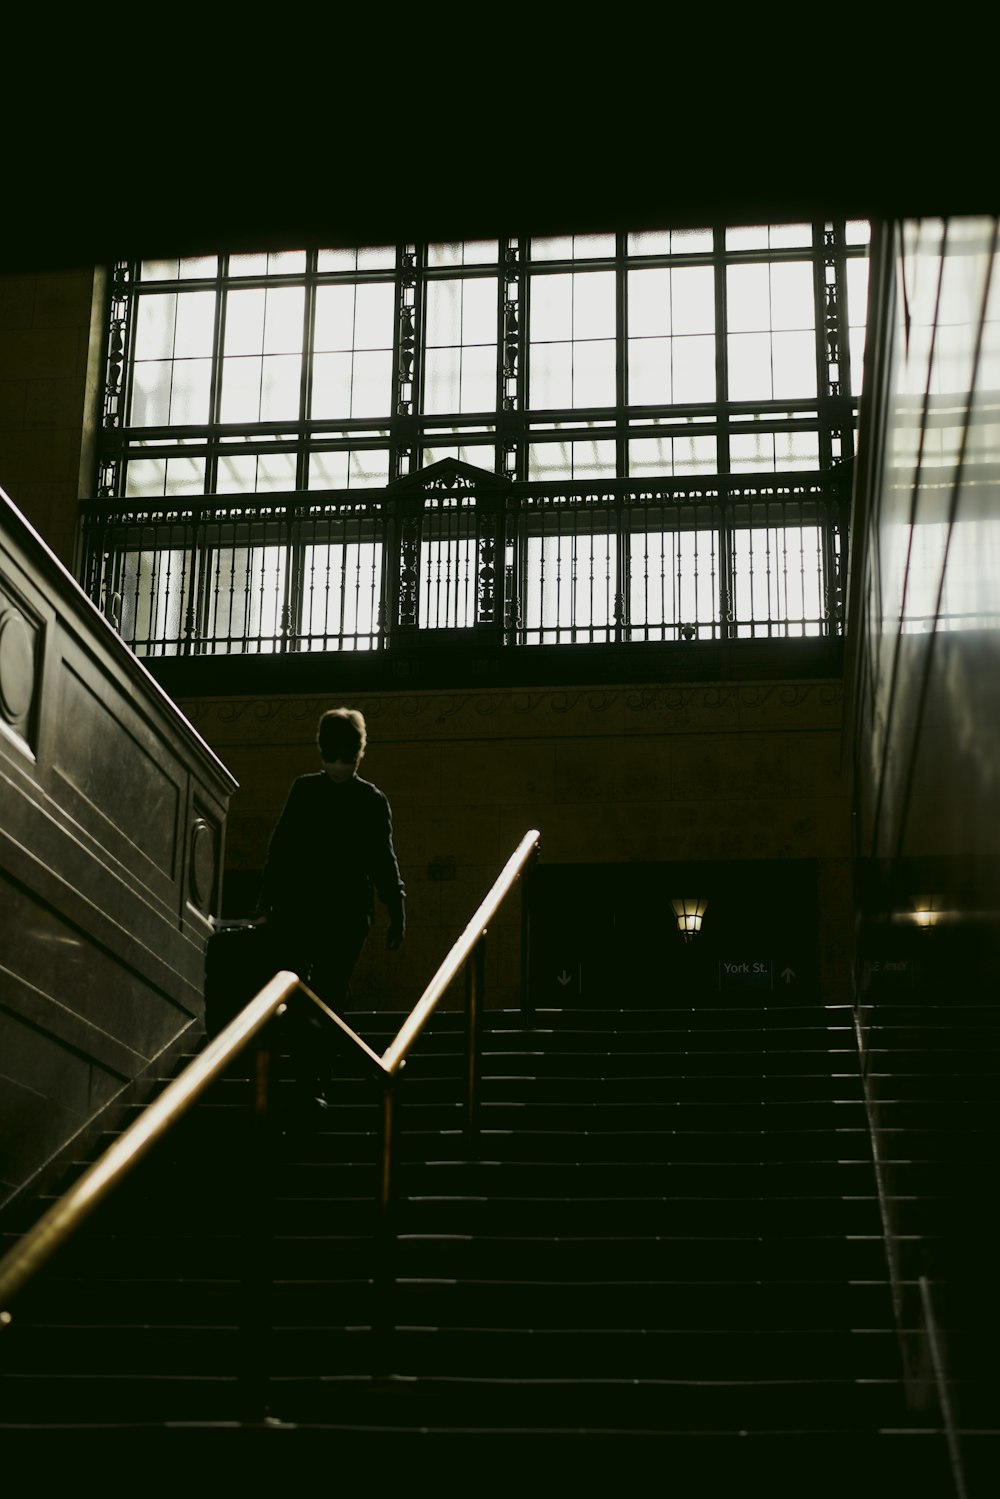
x=238 y=963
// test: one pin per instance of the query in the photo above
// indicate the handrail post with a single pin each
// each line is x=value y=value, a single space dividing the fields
x=258 y=1228
x=475 y=986
x=527 y=882
x=383 y=1280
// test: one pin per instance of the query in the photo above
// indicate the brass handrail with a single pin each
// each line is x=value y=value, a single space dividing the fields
x=63 y=1218
x=395 y=1054
x=21 y=1262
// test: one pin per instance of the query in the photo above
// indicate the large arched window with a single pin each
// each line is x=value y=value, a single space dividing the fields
x=625 y=361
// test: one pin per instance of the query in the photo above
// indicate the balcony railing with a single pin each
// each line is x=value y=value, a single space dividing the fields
x=453 y=548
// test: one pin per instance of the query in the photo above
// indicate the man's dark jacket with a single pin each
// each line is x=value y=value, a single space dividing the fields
x=330 y=850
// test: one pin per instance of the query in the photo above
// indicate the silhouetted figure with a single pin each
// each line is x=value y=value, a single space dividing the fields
x=330 y=853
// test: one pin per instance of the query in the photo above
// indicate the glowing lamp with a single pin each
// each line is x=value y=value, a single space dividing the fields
x=689 y=912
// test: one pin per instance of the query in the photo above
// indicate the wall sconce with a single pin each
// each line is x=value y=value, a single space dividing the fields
x=926 y=910
x=689 y=912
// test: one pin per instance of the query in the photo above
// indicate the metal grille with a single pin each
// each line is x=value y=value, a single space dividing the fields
x=448 y=551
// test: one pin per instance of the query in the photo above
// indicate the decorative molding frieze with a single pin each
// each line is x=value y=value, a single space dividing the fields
x=652 y=709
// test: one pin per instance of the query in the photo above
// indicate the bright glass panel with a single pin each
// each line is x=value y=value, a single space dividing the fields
x=251 y=473
x=570 y=588
x=771 y=452
x=778 y=579
x=558 y=461
x=245 y=598
x=673 y=583
x=361 y=468
x=341 y=596
x=670 y=242
x=463 y=252
x=573 y=247
x=656 y=457
x=370 y=258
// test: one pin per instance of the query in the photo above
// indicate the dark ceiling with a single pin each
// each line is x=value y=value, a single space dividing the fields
x=339 y=139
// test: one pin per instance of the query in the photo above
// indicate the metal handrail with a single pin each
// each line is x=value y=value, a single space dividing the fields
x=62 y=1219
x=395 y=1054
x=65 y=1216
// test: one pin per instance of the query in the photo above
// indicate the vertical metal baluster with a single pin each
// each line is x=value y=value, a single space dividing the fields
x=255 y=1321
x=475 y=987
x=383 y=1282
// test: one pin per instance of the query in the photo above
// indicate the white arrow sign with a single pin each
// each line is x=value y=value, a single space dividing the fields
x=563 y=978
x=788 y=974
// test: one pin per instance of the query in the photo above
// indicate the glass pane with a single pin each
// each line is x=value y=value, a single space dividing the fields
x=661 y=457
x=370 y=258
x=751 y=452
x=341 y=595
x=463 y=252
x=368 y=469
x=334 y=319
x=374 y=314
x=594 y=305
x=858 y=232
x=331 y=389
x=145 y=478
x=237 y=473
x=442 y=380
x=594 y=374
x=693 y=299
x=551 y=376
x=790 y=236
x=673 y=584
x=247 y=593
x=778 y=579
x=159 y=270
x=185 y=476
x=198 y=267
x=280 y=387
x=191 y=392
x=447 y=583
x=241 y=390
x=556 y=461
x=283 y=320
x=694 y=370
x=275 y=472
x=443 y=304
x=649 y=303
x=748 y=298
x=479 y=310
x=670 y=242
x=154 y=588
x=372 y=388
x=793 y=362
x=792 y=300
x=570 y=588
x=155 y=323
x=151 y=394
x=747 y=237
x=750 y=367
x=245 y=321
x=551 y=308
x=649 y=371
x=573 y=247
x=476 y=454
x=479 y=379
x=254 y=264
x=195 y=330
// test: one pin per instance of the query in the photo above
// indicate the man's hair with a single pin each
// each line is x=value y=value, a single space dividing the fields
x=342 y=734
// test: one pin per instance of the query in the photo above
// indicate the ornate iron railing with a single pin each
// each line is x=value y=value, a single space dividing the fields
x=453 y=548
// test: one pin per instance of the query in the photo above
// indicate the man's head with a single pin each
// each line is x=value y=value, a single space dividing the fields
x=342 y=737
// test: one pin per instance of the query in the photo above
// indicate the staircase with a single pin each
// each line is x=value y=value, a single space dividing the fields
x=670 y=1236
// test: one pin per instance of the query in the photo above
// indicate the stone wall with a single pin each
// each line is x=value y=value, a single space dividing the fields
x=608 y=775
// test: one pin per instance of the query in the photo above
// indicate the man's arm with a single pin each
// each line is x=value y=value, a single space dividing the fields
x=386 y=876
